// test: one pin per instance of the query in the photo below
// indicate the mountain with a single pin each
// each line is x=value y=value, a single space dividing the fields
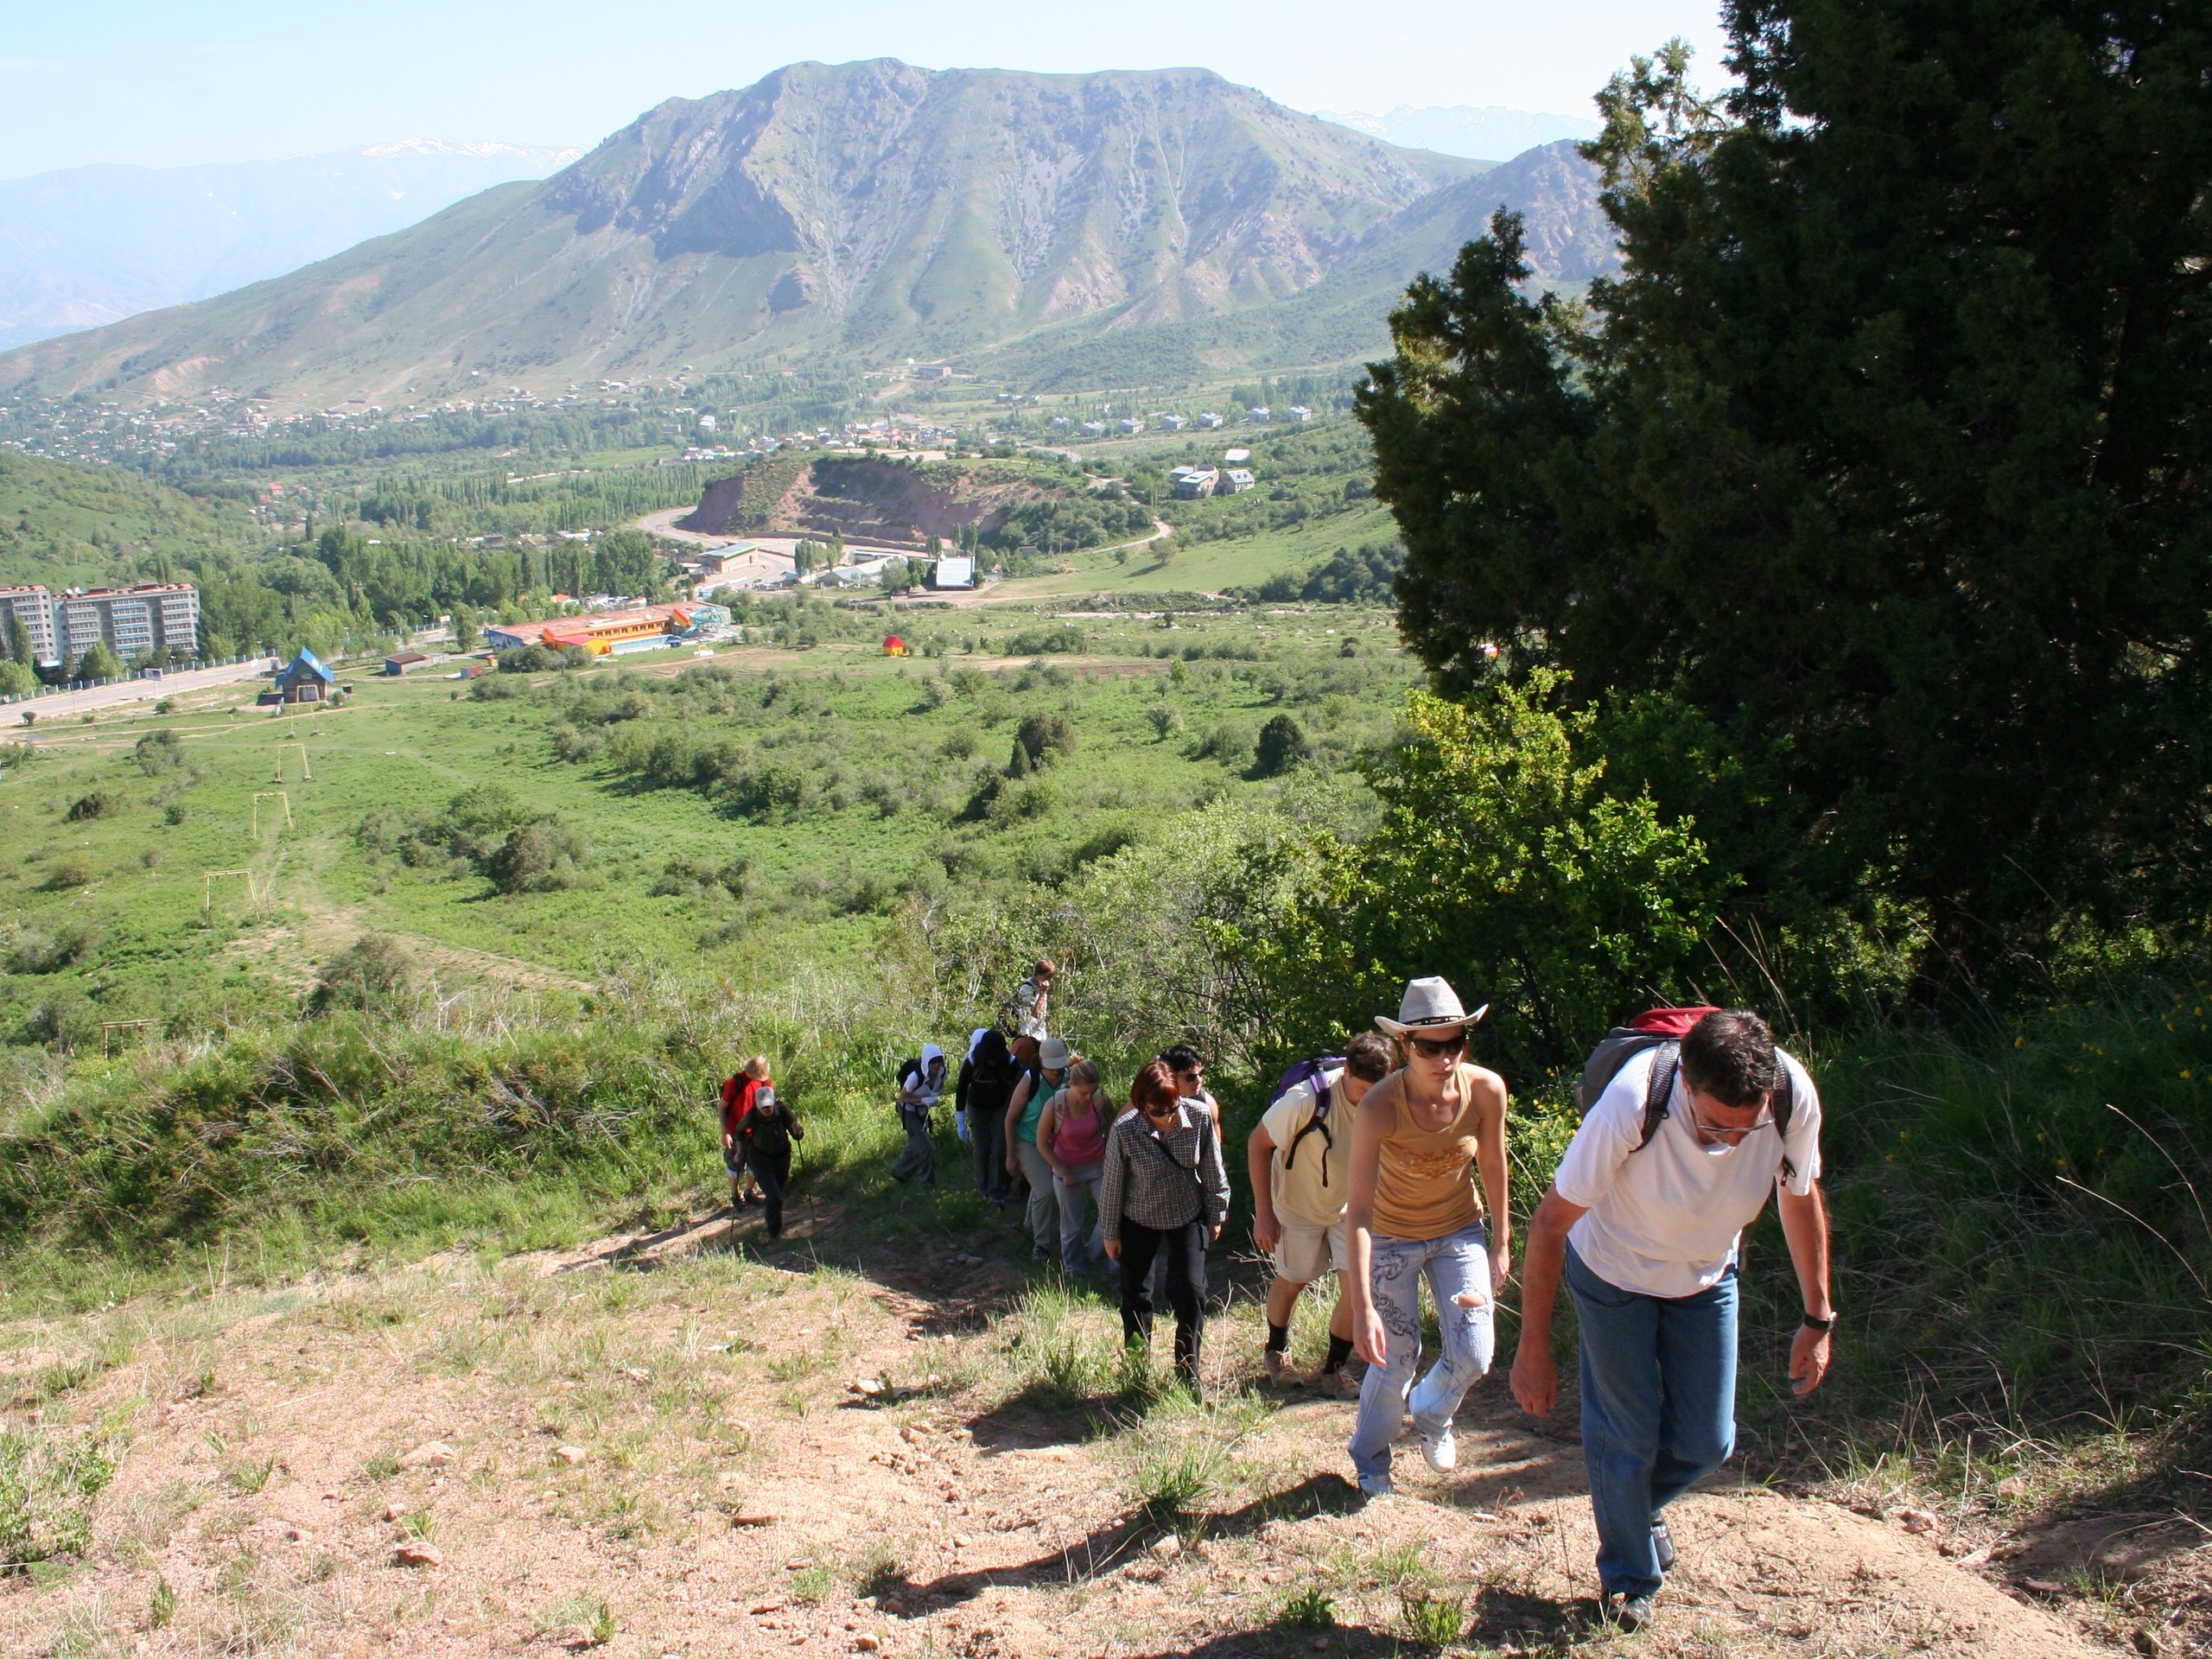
x=91 y=244
x=872 y=209
x=1465 y=130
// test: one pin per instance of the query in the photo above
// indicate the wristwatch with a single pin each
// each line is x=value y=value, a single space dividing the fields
x=1822 y=1325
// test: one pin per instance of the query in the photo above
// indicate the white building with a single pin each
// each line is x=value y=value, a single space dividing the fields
x=133 y=622
x=1130 y=426
x=1235 y=481
x=706 y=423
x=1299 y=413
x=1209 y=420
x=1173 y=422
x=1194 y=483
x=1259 y=415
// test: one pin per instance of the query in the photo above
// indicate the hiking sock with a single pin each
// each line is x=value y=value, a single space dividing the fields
x=1339 y=1351
x=1278 y=1337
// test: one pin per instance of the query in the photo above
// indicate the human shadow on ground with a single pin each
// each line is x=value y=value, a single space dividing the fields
x=1117 y=1543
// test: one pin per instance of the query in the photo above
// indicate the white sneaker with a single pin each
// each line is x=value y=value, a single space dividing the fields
x=1440 y=1451
x=1372 y=1487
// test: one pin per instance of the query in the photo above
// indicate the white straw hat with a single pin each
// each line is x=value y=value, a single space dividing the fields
x=1429 y=1004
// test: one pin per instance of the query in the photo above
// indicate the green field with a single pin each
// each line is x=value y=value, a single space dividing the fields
x=107 y=910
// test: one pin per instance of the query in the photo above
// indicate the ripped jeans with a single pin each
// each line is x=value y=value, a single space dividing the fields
x=1458 y=1261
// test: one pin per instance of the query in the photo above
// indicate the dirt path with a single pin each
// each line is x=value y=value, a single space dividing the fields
x=667 y=1445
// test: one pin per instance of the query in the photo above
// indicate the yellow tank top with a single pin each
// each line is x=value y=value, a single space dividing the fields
x=1425 y=1182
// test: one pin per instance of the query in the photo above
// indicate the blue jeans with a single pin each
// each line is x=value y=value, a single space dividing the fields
x=1458 y=1261
x=1658 y=1410
x=1076 y=1254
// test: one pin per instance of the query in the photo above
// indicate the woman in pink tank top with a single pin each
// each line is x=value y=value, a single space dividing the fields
x=1072 y=1133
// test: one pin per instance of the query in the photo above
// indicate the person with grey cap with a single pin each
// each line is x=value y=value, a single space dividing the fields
x=1422 y=1137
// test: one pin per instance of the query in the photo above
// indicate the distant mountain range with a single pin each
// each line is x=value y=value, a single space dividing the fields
x=91 y=244
x=1487 y=132
x=1116 y=229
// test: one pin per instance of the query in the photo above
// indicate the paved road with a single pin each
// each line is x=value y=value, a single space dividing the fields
x=175 y=683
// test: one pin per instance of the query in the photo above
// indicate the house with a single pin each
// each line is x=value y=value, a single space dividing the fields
x=1094 y=428
x=1235 y=481
x=1209 y=420
x=306 y=678
x=406 y=662
x=1172 y=422
x=952 y=573
x=1299 y=413
x=1259 y=414
x=1130 y=426
x=1234 y=457
x=715 y=563
x=1194 y=483
x=893 y=646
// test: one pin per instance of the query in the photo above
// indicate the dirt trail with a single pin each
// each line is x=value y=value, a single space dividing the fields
x=669 y=1447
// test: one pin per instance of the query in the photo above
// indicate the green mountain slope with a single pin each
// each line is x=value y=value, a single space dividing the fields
x=61 y=524
x=869 y=207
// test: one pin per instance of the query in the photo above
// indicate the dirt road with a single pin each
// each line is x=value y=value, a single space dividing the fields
x=670 y=1445
x=176 y=682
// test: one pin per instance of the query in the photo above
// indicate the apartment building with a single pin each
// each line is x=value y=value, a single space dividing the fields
x=134 y=622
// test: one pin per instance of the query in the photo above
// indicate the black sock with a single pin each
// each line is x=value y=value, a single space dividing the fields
x=1278 y=1337
x=1339 y=1351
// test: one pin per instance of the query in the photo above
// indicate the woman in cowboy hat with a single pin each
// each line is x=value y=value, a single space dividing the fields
x=1421 y=1136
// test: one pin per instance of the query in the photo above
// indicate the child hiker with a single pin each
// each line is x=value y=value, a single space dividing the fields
x=738 y=1096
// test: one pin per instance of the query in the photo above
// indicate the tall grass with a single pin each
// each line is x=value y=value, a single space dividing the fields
x=2021 y=1239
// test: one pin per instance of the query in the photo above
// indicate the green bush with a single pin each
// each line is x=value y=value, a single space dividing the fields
x=99 y=804
x=158 y=753
x=372 y=971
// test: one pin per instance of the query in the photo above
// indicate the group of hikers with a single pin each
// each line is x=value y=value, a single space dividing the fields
x=1386 y=1167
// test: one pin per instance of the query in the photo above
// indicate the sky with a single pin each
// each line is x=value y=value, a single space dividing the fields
x=186 y=81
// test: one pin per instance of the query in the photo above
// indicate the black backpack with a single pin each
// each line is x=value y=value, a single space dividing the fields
x=1663 y=1029
x=1315 y=1072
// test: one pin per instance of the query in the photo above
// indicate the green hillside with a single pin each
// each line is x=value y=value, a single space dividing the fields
x=61 y=524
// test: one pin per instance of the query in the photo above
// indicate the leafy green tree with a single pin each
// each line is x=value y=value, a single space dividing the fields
x=1280 y=742
x=1885 y=454
x=1504 y=863
x=19 y=642
x=99 y=662
x=465 y=631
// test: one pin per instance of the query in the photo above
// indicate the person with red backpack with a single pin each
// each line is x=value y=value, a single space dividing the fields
x=1691 y=1116
x=738 y=1096
x=1299 y=1155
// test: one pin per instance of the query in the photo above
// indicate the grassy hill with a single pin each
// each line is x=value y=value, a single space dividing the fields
x=61 y=524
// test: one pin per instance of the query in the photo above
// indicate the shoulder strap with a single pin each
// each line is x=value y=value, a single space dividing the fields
x=1317 y=1119
x=1785 y=1102
x=1658 y=1091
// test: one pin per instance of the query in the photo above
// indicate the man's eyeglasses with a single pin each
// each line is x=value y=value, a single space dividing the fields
x=1437 y=1048
x=1724 y=1131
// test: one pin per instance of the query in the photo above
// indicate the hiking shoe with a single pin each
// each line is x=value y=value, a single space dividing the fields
x=1280 y=1372
x=1632 y=1612
x=1663 y=1545
x=1440 y=1451
x=1338 y=1384
x=1373 y=1488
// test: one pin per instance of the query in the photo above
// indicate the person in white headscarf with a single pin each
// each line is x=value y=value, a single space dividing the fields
x=921 y=1084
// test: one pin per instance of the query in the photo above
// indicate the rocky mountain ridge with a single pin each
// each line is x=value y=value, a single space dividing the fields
x=872 y=209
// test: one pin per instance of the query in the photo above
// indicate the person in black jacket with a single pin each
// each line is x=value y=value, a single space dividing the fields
x=987 y=1080
x=767 y=1133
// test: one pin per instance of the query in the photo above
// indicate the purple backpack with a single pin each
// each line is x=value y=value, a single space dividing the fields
x=1315 y=1072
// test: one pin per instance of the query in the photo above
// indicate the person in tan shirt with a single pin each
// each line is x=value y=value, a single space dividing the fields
x=1422 y=1135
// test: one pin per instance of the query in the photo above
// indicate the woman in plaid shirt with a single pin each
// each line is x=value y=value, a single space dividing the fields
x=1163 y=1188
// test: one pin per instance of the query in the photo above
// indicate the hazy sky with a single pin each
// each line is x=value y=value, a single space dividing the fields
x=185 y=80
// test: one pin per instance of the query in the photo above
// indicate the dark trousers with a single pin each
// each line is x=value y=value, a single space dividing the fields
x=920 y=1157
x=989 y=1130
x=1184 y=1249
x=772 y=1170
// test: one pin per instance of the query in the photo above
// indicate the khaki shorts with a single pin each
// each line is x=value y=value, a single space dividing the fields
x=1306 y=1252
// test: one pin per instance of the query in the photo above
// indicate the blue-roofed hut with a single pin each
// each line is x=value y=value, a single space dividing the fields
x=306 y=678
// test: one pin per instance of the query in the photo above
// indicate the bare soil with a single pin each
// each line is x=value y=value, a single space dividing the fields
x=686 y=1443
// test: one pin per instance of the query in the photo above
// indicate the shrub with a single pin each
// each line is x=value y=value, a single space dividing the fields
x=99 y=804
x=47 y=1485
x=541 y=857
x=372 y=972
x=1167 y=720
x=1042 y=736
x=1229 y=744
x=47 y=953
x=158 y=753
x=1281 y=742
x=67 y=871
x=490 y=688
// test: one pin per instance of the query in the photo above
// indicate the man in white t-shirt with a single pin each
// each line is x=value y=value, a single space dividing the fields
x=1300 y=1161
x=1645 y=1234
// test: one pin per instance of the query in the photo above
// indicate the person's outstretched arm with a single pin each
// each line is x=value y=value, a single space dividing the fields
x=1805 y=1224
x=1535 y=1373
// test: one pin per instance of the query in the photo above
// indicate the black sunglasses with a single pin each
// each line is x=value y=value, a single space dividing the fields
x=1435 y=1048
